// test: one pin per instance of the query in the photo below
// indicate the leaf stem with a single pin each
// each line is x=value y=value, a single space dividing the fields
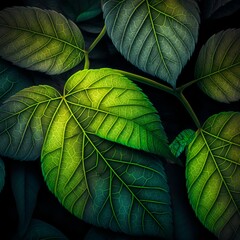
x=175 y=92
x=184 y=86
x=87 y=63
x=97 y=39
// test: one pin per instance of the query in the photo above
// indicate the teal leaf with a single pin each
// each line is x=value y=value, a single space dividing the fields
x=25 y=182
x=212 y=173
x=41 y=40
x=182 y=140
x=24 y=119
x=218 y=66
x=12 y=80
x=103 y=183
x=40 y=230
x=156 y=36
x=219 y=8
x=2 y=174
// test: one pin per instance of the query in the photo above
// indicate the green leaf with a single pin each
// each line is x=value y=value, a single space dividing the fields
x=212 y=172
x=40 y=230
x=25 y=182
x=219 y=8
x=12 y=80
x=103 y=102
x=182 y=140
x=41 y=40
x=2 y=174
x=218 y=66
x=104 y=183
x=156 y=36
x=24 y=119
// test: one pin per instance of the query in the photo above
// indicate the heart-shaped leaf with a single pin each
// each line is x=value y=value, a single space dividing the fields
x=25 y=182
x=42 y=40
x=12 y=80
x=156 y=36
x=2 y=174
x=103 y=102
x=218 y=66
x=39 y=230
x=104 y=183
x=219 y=8
x=212 y=172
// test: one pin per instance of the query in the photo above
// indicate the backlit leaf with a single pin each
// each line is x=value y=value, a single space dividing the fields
x=42 y=40
x=103 y=183
x=25 y=182
x=2 y=174
x=212 y=172
x=219 y=8
x=40 y=230
x=156 y=36
x=103 y=102
x=12 y=80
x=218 y=66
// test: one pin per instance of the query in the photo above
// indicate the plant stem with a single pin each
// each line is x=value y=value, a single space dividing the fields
x=97 y=39
x=87 y=63
x=184 y=86
x=175 y=92
x=147 y=81
x=188 y=107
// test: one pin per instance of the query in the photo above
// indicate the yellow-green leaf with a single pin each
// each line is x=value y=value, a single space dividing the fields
x=212 y=172
x=41 y=40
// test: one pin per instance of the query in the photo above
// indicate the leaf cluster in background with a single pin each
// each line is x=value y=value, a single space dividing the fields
x=84 y=148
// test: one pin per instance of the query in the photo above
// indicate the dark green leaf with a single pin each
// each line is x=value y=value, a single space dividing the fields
x=42 y=40
x=218 y=66
x=212 y=172
x=182 y=140
x=103 y=183
x=12 y=80
x=39 y=230
x=219 y=8
x=102 y=102
x=25 y=181
x=2 y=174
x=156 y=36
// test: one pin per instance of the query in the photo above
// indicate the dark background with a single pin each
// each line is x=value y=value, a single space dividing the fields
x=174 y=118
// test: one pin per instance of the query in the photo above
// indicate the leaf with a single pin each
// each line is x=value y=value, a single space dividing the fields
x=41 y=230
x=182 y=140
x=25 y=182
x=41 y=40
x=2 y=174
x=102 y=101
x=218 y=66
x=156 y=36
x=12 y=80
x=76 y=10
x=103 y=183
x=212 y=174
x=24 y=119
x=219 y=8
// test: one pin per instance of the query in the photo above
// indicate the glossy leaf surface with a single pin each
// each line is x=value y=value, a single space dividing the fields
x=218 y=66
x=156 y=36
x=12 y=80
x=103 y=183
x=41 y=40
x=212 y=174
